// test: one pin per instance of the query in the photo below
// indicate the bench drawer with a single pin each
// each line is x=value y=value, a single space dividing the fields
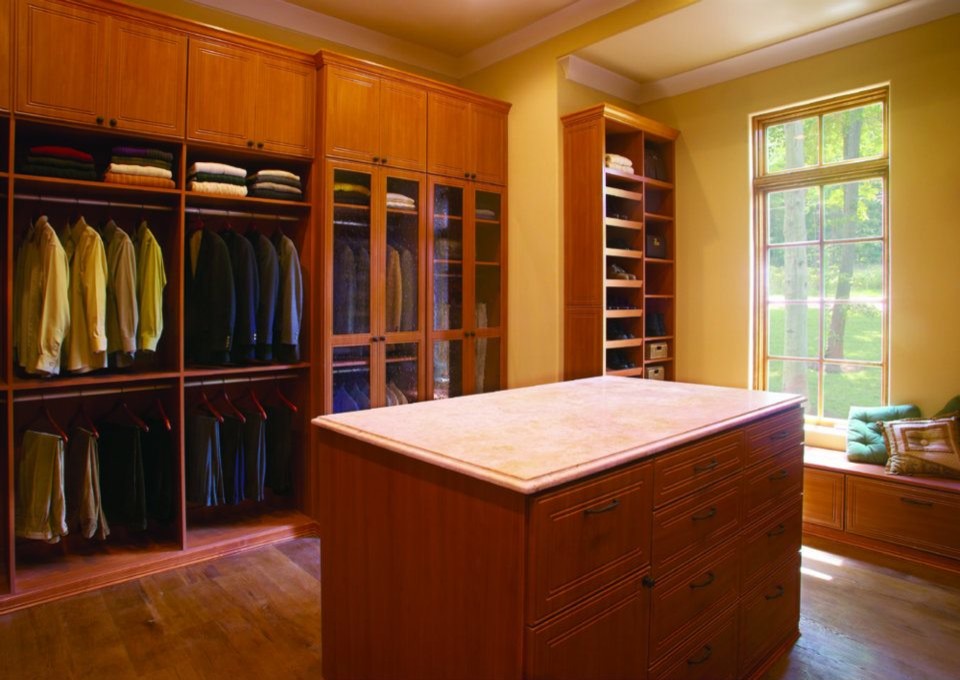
x=823 y=498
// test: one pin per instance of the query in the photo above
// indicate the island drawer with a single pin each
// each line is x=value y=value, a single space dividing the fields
x=769 y=614
x=771 y=483
x=771 y=435
x=585 y=537
x=769 y=542
x=693 y=467
x=710 y=654
x=683 y=530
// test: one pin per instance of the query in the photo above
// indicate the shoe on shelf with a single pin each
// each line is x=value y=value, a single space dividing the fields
x=615 y=271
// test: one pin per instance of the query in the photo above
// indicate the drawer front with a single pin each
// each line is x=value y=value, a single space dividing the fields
x=602 y=639
x=769 y=543
x=771 y=435
x=585 y=537
x=904 y=515
x=823 y=498
x=684 y=530
x=682 y=601
x=772 y=483
x=711 y=654
x=769 y=614
x=693 y=467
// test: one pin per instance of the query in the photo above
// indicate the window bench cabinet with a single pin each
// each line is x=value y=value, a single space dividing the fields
x=601 y=528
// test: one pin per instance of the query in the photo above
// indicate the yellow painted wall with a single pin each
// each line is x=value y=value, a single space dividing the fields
x=713 y=206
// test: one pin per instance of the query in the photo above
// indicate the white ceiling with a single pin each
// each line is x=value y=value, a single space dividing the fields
x=703 y=42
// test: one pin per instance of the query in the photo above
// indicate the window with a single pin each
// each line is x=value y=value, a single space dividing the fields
x=820 y=196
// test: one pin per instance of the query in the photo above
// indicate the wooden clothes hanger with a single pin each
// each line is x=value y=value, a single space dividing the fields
x=162 y=414
x=206 y=404
x=49 y=420
x=231 y=407
x=85 y=420
x=251 y=396
x=134 y=419
x=281 y=397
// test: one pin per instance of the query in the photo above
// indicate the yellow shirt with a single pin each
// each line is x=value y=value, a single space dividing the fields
x=151 y=280
x=86 y=348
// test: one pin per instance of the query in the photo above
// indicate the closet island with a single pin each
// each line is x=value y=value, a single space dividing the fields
x=599 y=528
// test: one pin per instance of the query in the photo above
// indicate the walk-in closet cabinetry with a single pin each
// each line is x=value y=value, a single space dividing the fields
x=619 y=245
x=80 y=64
x=99 y=85
x=6 y=56
x=416 y=261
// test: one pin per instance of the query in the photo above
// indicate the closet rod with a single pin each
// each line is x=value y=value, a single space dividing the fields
x=215 y=382
x=92 y=393
x=241 y=213
x=90 y=201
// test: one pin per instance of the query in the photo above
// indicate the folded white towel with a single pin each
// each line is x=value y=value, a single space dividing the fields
x=261 y=174
x=144 y=170
x=217 y=188
x=621 y=168
x=618 y=159
x=216 y=169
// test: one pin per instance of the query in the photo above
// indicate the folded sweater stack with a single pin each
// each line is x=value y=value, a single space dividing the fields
x=60 y=161
x=400 y=201
x=217 y=178
x=140 y=166
x=278 y=184
x=618 y=162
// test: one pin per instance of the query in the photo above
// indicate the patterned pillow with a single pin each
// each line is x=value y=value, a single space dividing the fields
x=865 y=431
x=924 y=447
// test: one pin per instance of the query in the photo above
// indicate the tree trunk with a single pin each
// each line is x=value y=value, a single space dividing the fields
x=795 y=269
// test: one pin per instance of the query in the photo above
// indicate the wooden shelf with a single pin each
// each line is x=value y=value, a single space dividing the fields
x=624 y=283
x=75 y=188
x=91 y=380
x=225 y=371
x=658 y=183
x=622 y=175
x=198 y=199
x=403 y=211
x=623 y=193
x=445 y=216
x=658 y=296
x=622 y=252
x=620 y=344
x=442 y=261
x=663 y=360
x=624 y=313
x=622 y=224
x=651 y=338
x=627 y=372
x=487 y=264
x=352 y=206
x=659 y=260
x=656 y=217
x=492 y=223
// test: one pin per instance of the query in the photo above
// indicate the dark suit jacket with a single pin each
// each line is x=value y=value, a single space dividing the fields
x=268 y=271
x=209 y=301
x=246 y=285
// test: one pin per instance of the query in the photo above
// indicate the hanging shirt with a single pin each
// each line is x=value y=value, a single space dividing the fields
x=86 y=346
x=151 y=280
x=290 y=307
x=122 y=312
x=41 y=310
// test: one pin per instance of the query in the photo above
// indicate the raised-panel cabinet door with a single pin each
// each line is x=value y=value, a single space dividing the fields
x=6 y=56
x=148 y=79
x=488 y=135
x=403 y=125
x=61 y=51
x=351 y=110
x=221 y=102
x=448 y=127
x=285 y=104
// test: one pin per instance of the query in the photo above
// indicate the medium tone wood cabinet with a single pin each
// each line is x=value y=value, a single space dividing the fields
x=466 y=139
x=251 y=99
x=373 y=119
x=6 y=53
x=82 y=65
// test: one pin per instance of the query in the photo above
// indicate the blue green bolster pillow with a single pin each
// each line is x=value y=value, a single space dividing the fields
x=865 y=432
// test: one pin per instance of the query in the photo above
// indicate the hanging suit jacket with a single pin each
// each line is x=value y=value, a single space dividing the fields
x=408 y=271
x=86 y=345
x=394 y=299
x=122 y=313
x=268 y=272
x=246 y=285
x=209 y=299
x=290 y=306
x=151 y=280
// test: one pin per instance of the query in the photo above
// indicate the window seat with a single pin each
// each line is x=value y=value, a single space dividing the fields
x=910 y=517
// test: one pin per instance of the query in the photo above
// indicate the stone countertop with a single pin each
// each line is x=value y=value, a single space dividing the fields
x=533 y=438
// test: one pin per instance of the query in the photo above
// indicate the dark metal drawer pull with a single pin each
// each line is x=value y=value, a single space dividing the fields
x=711 y=577
x=916 y=501
x=612 y=505
x=776 y=477
x=777 y=594
x=707 y=651
x=707 y=515
x=783 y=434
x=706 y=468
x=776 y=532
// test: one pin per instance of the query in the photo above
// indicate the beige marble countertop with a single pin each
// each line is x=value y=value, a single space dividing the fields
x=533 y=438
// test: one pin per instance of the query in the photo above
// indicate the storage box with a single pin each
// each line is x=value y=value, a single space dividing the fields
x=657 y=350
x=656 y=246
x=654 y=373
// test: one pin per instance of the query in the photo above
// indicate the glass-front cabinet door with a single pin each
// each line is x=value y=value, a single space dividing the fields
x=351 y=378
x=488 y=289
x=352 y=234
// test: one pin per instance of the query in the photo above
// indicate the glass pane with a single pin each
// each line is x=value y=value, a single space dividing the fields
x=792 y=145
x=351 y=378
x=795 y=377
x=793 y=215
x=403 y=385
x=486 y=365
x=854 y=271
x=487 y=243
x=845 y=386
x=853 y=331
x=853 y=209
x=793 y=330
x=447 y=257
x=403 y=238
x=852 y=134
x=447 y=369
x=351 y=252
x=793 y=273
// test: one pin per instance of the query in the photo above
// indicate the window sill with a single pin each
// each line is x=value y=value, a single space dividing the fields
x=825 y=437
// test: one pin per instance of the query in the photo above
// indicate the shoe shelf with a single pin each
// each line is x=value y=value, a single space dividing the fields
x=620 y=283
x=624 y=252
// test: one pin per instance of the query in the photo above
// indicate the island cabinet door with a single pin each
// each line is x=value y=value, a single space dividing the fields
x=602 y=639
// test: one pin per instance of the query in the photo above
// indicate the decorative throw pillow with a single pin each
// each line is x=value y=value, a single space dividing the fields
x=924 y=447
x=953 y=406
x=865 y=431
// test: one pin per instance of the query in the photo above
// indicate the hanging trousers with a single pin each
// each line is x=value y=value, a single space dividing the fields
x=279 y=450
x=122 y=487
x=158 y=468
x=84 y=503
x=204 y=464
x=41 y=506
x=255 y=452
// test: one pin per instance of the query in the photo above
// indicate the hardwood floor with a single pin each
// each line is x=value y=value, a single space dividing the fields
x=257 y=615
